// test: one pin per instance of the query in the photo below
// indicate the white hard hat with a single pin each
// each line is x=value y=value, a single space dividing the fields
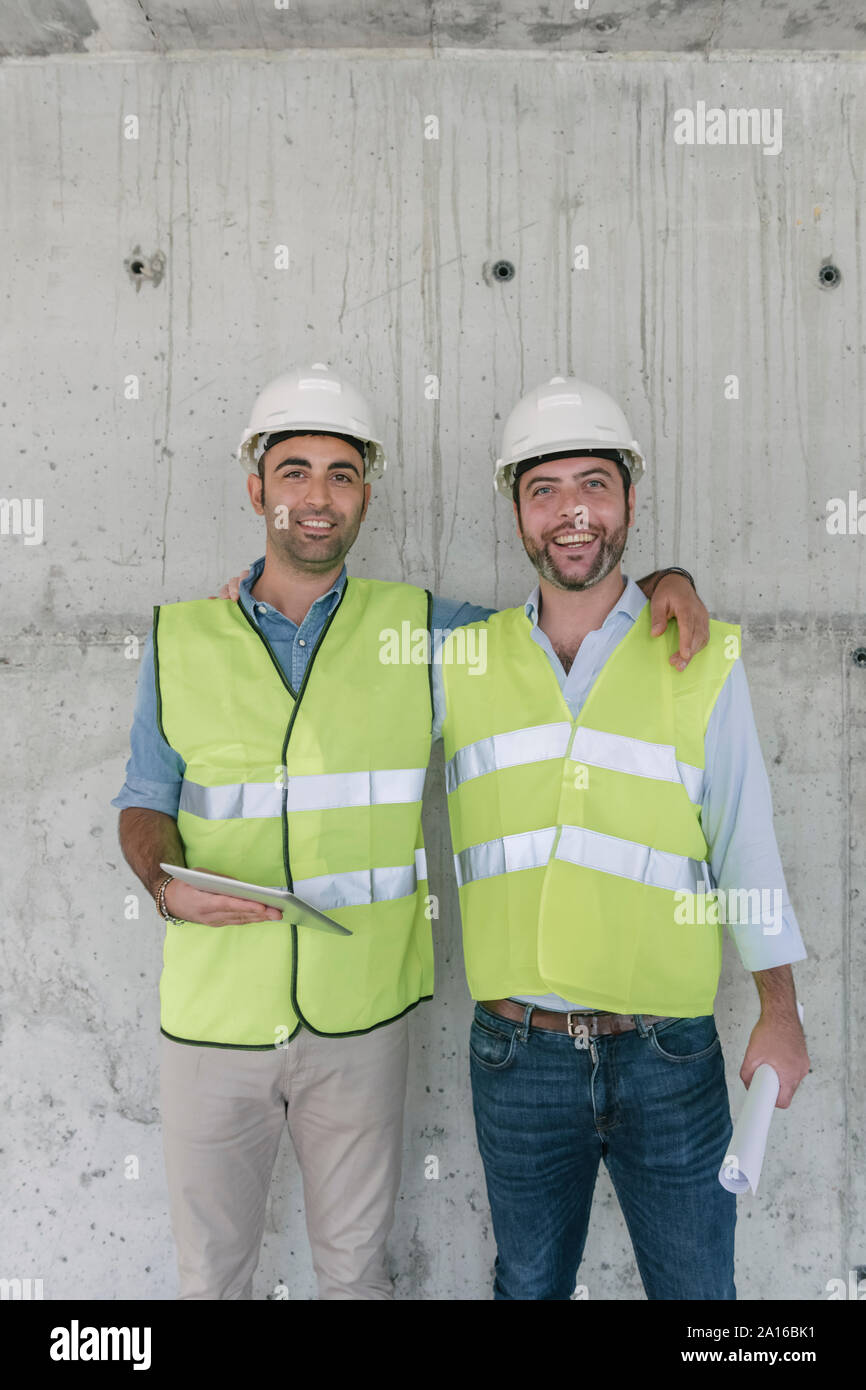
x=564 y=414
x=317 y=399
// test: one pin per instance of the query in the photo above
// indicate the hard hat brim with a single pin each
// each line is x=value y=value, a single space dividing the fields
x=375 y=463
x=503 y=477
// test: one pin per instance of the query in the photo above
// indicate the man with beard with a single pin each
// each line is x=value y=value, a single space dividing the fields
x=271 y=744
x=594 y=794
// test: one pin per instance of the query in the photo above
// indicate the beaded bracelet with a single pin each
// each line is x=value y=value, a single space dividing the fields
x=160 y=902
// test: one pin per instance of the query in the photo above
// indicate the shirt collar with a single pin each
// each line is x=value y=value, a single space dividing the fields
x=630 y=602
x=249 y=602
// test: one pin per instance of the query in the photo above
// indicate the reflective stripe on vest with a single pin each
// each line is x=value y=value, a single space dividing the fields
x=533 y=745
x=360 y=887
x=593 y=747
x=609 y=855
x=319 y=792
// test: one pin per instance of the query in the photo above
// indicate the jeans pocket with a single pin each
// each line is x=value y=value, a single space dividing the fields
x=491 y=1048
x=686 y=1039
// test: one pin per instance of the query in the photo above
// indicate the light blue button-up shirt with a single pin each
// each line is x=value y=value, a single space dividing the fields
x=736 y=806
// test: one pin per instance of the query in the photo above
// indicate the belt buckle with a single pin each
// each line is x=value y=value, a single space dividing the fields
x=573 y=1027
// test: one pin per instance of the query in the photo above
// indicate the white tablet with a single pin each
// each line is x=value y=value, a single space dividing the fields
x=294 y=909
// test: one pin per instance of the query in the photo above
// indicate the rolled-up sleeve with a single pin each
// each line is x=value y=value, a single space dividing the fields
x=154 y=772
x=737 y=819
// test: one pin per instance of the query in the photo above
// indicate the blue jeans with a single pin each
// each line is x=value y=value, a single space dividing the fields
x=653 y=1103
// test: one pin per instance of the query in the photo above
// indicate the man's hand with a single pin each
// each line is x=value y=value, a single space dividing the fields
x=777 y=1038
x=214 y=909
x=232 y=587
x=674 y=597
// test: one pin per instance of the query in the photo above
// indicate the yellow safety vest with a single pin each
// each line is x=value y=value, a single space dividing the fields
x=575 y=840
x=318 y=790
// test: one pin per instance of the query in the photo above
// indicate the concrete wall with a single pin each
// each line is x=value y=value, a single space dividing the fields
x=703 y=262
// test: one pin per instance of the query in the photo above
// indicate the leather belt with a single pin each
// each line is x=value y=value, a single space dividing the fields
x=597 y=1024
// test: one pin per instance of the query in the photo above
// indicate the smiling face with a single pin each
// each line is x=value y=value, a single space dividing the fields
x=313 y=498
x=573 y=518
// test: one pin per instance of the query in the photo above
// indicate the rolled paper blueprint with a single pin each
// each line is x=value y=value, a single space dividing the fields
x=742 y=1165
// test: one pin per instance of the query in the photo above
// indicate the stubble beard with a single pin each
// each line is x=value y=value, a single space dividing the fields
x=282 y=540
x=609 y=555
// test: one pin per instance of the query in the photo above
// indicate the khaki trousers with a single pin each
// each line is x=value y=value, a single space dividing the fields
x=223 y=1112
